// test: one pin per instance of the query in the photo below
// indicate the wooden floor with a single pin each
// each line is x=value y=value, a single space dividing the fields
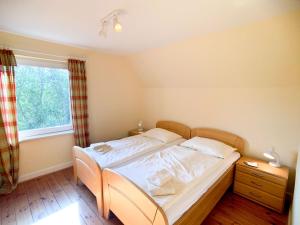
x=55 y=199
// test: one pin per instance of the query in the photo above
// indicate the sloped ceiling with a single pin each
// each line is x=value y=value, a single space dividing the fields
x=147 y=24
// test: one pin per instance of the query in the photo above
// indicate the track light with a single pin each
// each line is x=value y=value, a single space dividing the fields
x=111 y=18
x=103 y=31
x=117 y=25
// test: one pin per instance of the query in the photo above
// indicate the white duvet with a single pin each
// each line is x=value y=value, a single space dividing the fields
x=126 y=149
x=188 y=168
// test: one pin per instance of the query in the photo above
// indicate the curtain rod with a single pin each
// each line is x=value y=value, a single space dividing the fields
x=63 y=58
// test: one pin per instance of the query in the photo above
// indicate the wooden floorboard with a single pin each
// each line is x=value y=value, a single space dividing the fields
x=233 y=209
x=50 y=203
x=36 y=204
x=21 y=205
x=8 y=214
x=56 y=199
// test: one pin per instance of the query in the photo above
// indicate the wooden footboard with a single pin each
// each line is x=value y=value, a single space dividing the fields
x=89 y=173
x=128 y=202
x=134 y=207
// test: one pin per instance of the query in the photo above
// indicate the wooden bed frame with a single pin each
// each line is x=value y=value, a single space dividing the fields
x=89 y=172
x=134 y=207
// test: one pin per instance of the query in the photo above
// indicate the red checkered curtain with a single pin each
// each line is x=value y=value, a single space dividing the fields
x=9 y=144
x=79 y=102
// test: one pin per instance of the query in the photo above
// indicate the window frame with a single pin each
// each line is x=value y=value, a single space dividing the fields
x=28 y=134
x=47 y=131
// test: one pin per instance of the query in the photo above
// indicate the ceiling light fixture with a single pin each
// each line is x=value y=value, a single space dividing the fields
x=103 y=31
x=111 y=18
x=117 y=25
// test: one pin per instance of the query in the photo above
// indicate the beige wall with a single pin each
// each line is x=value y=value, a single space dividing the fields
x=113 y=101
x=244 y=80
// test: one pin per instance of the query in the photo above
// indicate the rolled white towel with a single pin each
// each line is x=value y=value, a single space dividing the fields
x=97 y=144
x=101 y=147
x=159 y=178
x=166 y=189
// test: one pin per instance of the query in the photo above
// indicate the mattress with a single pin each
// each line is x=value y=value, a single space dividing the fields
x=194 y=191
x=192 y=175
x=127 y=149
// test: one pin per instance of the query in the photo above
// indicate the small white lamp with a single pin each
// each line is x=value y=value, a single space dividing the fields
x=271 y=154
x=140 y=126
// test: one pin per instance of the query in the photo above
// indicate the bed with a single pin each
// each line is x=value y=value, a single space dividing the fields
x=88 y=169
x=133 y=206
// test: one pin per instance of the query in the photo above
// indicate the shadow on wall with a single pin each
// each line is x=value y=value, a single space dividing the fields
x=294 y=214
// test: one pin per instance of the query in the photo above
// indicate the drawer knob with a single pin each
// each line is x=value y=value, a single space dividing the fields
x=255 y=195
x=256 y=184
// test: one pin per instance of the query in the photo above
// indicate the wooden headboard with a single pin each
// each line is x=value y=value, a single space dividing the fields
x=175 y=127
x=220 y=135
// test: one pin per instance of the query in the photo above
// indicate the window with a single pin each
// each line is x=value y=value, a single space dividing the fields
x=43 y=99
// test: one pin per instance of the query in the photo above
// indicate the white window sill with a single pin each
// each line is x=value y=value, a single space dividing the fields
x=35 y=137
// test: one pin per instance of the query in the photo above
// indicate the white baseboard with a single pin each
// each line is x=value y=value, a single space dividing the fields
x=45 y=171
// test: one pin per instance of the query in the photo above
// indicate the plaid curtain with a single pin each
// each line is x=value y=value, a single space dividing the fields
x=9 y=144
x=79 y=102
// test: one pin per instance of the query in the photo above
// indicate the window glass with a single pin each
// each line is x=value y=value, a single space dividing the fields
x=43 y=99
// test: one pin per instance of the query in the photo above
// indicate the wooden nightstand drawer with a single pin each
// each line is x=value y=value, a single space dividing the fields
x=259 y=174
x=259 y=196
x=263 y=185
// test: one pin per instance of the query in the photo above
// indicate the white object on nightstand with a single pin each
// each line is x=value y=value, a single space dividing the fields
x=140 y=126
x=271 y=154
x=252 y=164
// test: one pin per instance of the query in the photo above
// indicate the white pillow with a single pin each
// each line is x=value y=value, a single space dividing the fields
x=162 y=135
x=209 y=147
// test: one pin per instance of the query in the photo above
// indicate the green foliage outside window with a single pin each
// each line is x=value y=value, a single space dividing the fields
x=43 y=98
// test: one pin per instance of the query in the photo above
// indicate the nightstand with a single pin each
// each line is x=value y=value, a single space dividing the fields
x=264 y=184
x=135 y=132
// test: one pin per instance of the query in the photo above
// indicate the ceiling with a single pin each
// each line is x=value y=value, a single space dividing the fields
x=146 y=24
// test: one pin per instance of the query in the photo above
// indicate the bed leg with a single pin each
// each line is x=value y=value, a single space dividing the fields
x=99 y=204
x=106 y=215
x=77 y=181
x=75 y=177
x=106 y=212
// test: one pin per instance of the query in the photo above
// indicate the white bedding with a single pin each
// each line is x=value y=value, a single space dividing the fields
x=126 y=149
x=192 y=174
